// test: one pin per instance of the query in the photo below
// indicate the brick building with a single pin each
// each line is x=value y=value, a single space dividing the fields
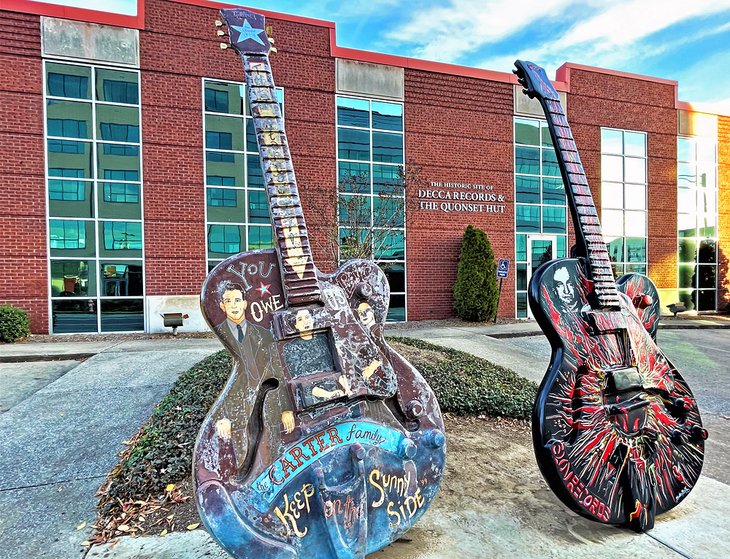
x=129 y=168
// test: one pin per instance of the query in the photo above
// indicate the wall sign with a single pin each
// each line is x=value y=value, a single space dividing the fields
x=460 y=197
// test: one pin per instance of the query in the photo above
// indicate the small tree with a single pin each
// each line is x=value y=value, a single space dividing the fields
x=362 y=231
x=476 y=294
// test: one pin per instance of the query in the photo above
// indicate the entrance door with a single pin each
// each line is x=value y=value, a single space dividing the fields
x=540 y=249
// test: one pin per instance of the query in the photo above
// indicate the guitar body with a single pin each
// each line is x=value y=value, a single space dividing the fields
x=616 y=430
x=324 y=442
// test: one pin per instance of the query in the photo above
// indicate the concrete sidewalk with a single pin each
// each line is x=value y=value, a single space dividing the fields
x=59 y=443
x=60 y=440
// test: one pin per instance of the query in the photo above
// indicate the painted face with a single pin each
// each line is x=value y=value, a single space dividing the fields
x=304 y=324
x=565 y=288
x=234 y=305
x=365 y=314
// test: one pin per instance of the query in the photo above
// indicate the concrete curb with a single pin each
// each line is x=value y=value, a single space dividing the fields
x=46 y=357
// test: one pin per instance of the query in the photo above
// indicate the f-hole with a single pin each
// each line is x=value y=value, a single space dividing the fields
x=256 y=425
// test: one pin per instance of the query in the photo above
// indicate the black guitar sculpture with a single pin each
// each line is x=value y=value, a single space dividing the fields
x=616 y=430
x=324 y=443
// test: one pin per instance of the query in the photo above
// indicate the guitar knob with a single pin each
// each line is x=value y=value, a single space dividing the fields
x=642 y=300
x=677 y=436
x=407 y=448
x=414 y=409
x=435 y=438
x=697 y=433
x=364 y=291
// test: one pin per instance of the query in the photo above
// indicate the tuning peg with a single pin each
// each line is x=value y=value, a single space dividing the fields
x=220 y=33
x=271 y=40
x=274 y=50
x=218 y=23
x=224 y=46
x=515 y=72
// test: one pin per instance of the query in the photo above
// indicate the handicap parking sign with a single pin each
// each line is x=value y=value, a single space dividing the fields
x=503 y=268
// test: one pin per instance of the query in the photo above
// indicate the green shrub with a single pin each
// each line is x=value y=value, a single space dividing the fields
x=163 y=450
x=476 y=294
x=14 y=324
x=468 y=385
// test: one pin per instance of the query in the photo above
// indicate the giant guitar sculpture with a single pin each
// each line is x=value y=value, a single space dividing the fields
x=616 y=430
x=325 y=442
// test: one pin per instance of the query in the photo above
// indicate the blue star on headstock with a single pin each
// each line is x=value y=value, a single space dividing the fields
x=245 y=32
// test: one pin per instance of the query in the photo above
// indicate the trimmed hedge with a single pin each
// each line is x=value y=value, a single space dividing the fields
x=14 y=324
x=467 y=385
x=161 y=453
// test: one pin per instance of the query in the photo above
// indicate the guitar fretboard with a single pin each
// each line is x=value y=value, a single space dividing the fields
x=582 y=205
x=290 y=231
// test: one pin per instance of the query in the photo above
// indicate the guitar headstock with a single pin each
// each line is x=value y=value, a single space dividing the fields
x=246 y=31
x=535 y=81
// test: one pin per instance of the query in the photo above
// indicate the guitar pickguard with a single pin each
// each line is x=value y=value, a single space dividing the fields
x=616 y=429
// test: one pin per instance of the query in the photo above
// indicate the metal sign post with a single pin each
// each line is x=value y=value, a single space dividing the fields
x=502 y=272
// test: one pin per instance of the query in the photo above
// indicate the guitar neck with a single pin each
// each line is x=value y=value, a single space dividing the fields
x=588 y=229
x=298 y=274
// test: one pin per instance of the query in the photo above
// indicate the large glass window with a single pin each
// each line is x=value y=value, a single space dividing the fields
x=237 y=209
x=697 y=222
x=540 y=201
x=624 y=199
x=94 y=198
x=371 y=197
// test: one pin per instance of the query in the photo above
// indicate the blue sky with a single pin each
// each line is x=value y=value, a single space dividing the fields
x=683 y=40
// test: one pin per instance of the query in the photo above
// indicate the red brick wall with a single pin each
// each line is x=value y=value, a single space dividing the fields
x=178 y=48
x=723 y=280
x=602 y=100
x=457 y=130
x=24 y=279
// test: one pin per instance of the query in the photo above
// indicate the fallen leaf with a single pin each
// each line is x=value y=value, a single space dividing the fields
x=123 y=528
x=193 y=526
x=163 y=533
x=86 y=543
x=170 y=487
x=81 y=526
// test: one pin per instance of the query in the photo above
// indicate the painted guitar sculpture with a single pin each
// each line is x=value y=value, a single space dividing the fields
x=616 y=430
x=324 y=443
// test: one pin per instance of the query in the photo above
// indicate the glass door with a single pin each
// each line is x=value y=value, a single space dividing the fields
x=540 y=249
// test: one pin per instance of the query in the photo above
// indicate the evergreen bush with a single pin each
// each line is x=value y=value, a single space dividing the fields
x=14 y=324
x=476 y=294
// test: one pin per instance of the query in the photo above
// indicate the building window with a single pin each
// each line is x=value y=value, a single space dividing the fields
x=697 y=222
x=624 y=199
x=540 y=205
x=371 y=197
x=95 y=220
x=237 y=208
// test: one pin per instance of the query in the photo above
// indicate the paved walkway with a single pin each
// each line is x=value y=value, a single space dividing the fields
x=62 y=434
x=59 y=442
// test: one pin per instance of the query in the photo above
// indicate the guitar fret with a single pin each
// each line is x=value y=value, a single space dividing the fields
x=567 y=144
x=571 y=156
x=563 y=132
x=298 y=273
x=578 y=179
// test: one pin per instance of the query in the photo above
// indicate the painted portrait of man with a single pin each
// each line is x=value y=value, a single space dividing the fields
x=251 y=344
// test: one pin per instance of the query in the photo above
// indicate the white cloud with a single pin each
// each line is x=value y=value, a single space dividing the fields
x=126 y=7
x=446 y=33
